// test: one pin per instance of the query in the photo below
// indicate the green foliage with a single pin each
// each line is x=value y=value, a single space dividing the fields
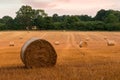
x=2 y=26
x=27 y=17
x=100 y=16
x=39 y=22
x=112 y=27
x=8 y=22
x=55 y=18
x=5 y=19
x=111 y=18
x=85 y=18
x=57 y=26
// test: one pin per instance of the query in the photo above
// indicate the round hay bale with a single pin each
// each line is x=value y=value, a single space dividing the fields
x=38 y=53
x=105 y=38
x=87 y=39
x=57 y=42
x=110 y=42
x=11 y=43
x=83 y=44
x=20 y=37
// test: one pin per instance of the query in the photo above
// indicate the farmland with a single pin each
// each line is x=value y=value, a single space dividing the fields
x=97 y=61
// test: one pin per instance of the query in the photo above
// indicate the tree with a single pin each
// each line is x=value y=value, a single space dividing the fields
x=2 y=26
x=39 y=22
x=111 y=18
x=26 y=15
x=48 y=23
x=8 y=21
x=5 y=19
x=55 y=18
x=100 y=15
x=85 y=18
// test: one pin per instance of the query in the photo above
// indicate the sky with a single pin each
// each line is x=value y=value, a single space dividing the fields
x=61 y=7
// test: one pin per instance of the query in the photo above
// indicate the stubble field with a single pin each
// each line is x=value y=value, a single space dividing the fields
x=97 y=61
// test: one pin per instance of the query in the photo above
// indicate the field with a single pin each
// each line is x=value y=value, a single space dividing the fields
x=95 y=62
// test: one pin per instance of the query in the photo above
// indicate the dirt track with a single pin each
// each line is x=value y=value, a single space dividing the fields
x=96 y=62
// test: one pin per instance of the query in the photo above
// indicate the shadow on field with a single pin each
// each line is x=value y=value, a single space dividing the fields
x=13 y=67
x=22 y=67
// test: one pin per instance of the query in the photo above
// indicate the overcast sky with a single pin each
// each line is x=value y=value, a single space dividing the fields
x=71 y=7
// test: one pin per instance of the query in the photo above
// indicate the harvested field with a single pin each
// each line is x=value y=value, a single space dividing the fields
x=97 y=61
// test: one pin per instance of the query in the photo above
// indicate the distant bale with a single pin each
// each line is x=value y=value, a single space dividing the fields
x=56 y=42
x=20 y=37
x=11 y=43
x=110 y=42
x=87 y=39
x=83 y=44
x=37 y=53
x=105 y=38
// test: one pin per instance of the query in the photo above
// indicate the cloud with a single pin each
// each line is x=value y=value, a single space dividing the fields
x=72 y=7
x=44 y=3
x=90 y=12
x=61 y=7
x=37 y=4
x=70 y=4
x=8 y=1
x=8 y=12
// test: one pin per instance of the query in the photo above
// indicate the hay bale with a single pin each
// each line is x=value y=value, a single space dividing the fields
x=87 y=39
x=110 y=42
x=37 y=53
x=105 y=38
x=11 y=43
x=20 y=37
x=56 y=42
x=83 y=44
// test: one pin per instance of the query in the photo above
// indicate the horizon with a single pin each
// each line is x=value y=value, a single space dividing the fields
x=71 y=7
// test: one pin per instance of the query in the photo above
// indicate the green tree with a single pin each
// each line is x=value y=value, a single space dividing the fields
x=2 y=26
x=39 y=22
x=85 y=18
x=26 y=15
x=100 y=15
x=5 y=19
x=8 y=21
x=111 y=18
x=55 y=18
x=48 y=23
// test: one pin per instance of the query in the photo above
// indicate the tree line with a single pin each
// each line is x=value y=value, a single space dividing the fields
x=26 y=16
